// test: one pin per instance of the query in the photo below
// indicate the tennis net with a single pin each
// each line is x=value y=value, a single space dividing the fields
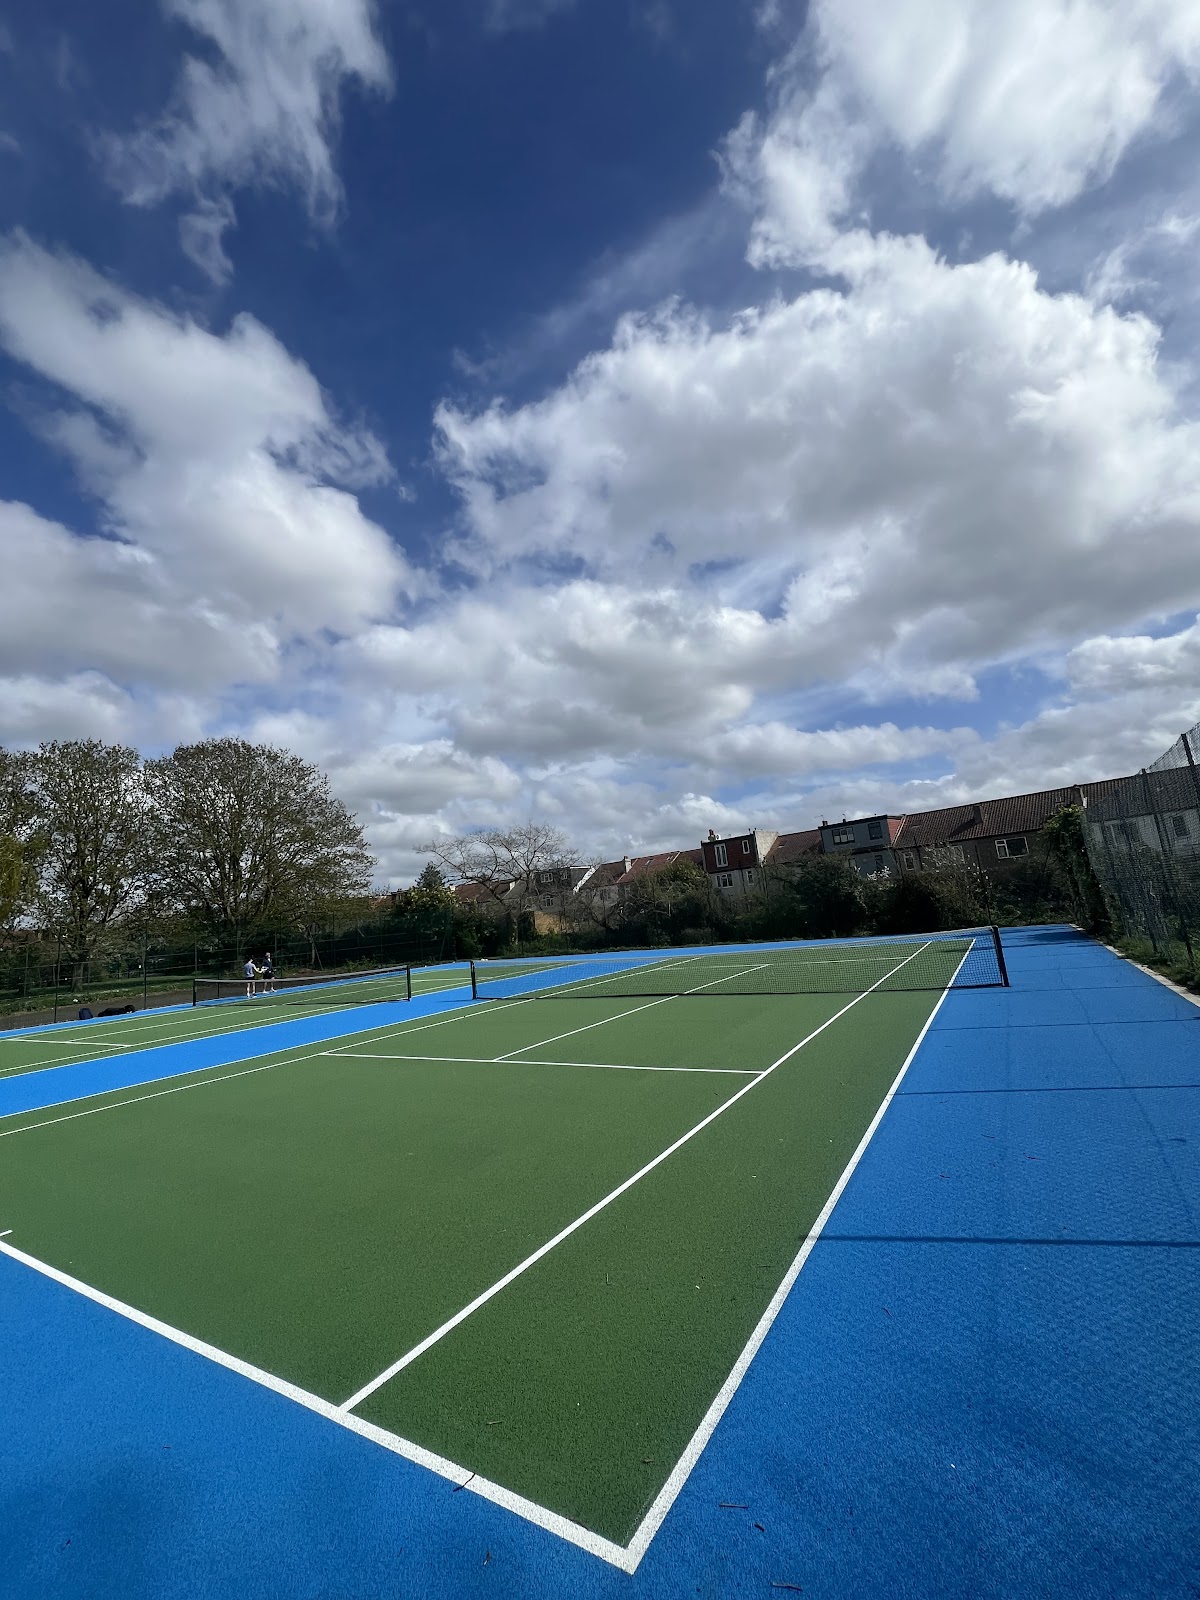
x=970 y=958
x=324 y=989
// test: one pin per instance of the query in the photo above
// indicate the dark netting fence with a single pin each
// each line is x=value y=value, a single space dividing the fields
x=1143 y=840
x=969 y=958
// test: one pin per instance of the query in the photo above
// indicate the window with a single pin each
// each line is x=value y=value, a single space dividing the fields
x=843 y=836
x=750 y=875
x=874 y=830
x=908 y=859
x=878 y=863
x=720 y=856
x=547 y=901
x=1180 y=826
x=1008 y=848
x=725 y=880
x=747 y=847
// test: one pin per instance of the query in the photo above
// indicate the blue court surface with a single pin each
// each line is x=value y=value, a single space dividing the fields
x=984 y=1381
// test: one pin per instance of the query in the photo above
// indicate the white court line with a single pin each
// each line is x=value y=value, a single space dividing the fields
x=669 y=1493
x=662 y=1000
x=507 y=1061
x=462 y=1477
x=494 y=1289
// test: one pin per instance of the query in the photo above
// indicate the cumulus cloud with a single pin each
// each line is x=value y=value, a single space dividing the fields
x=225 y=540
x=212 y=454
x=1032 y=101
x=938 y=465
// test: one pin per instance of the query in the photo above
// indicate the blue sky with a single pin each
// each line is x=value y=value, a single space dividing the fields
x=639 y=415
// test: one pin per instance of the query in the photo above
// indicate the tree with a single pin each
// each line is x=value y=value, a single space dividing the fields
x=1066 y=840
x=429 y=898
x=505 y=863
x=830 y=892
x=89 y=823
x=19 y=838
x=246 y=835
x=675 y=897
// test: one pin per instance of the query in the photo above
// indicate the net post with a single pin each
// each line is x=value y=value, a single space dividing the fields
x=408 y=980
x=195 y=1000
x=1000 y=961
x=474 y=983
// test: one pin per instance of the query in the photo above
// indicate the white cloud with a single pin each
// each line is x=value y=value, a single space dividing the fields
x=1032 y=101
x=202 y=233
x=212 y=455
x=1108 y=666
x=260 y=105
x=938 y=467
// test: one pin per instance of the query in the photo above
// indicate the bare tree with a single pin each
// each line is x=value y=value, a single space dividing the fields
x=505 y=863
x=248 y=834
x=90 y=831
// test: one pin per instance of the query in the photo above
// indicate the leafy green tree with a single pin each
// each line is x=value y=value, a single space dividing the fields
x=21 y=841
x=1065 y=834
x=830 y=893
x=247 y=835
x=90 y=824
x=12 y=877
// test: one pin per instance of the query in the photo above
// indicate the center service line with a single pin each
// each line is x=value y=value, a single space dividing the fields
x=438 y=1334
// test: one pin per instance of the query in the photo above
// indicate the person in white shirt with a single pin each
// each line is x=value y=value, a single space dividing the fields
x=251 y=972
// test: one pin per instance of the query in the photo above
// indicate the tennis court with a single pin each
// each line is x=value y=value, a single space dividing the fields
x=456 y=1297
x=528 y=1240
x=66 y=1043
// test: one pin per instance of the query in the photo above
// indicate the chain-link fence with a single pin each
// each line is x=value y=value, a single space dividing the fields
x=39 y=980
x=1143 y=840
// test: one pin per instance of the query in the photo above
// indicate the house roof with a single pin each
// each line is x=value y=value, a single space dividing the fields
x=473 y=893
x=789 y=847
x=623 y=872
x=990 y=819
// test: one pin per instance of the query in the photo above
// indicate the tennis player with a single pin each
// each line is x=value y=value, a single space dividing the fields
x=251 y=972
x=268 y=972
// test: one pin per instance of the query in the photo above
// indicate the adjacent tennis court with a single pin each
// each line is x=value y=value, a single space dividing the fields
x=29 y=1050
x=532 y=1238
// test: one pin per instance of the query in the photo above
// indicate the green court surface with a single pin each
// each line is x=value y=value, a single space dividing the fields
x=29 y=1051
x=336 y=1217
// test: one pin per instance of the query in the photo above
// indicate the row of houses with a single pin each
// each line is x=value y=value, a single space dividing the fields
x=993 y=836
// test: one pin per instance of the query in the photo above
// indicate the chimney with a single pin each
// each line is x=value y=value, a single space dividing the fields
x=628 y=862
x=712 y=833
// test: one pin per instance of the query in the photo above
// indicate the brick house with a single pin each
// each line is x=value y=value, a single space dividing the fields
x=991 y=835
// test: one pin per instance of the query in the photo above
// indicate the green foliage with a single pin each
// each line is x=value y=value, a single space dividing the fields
x=952 y=896
x=245 y=835
x=1065 y=834
x=89 y=817
x=12 y=877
